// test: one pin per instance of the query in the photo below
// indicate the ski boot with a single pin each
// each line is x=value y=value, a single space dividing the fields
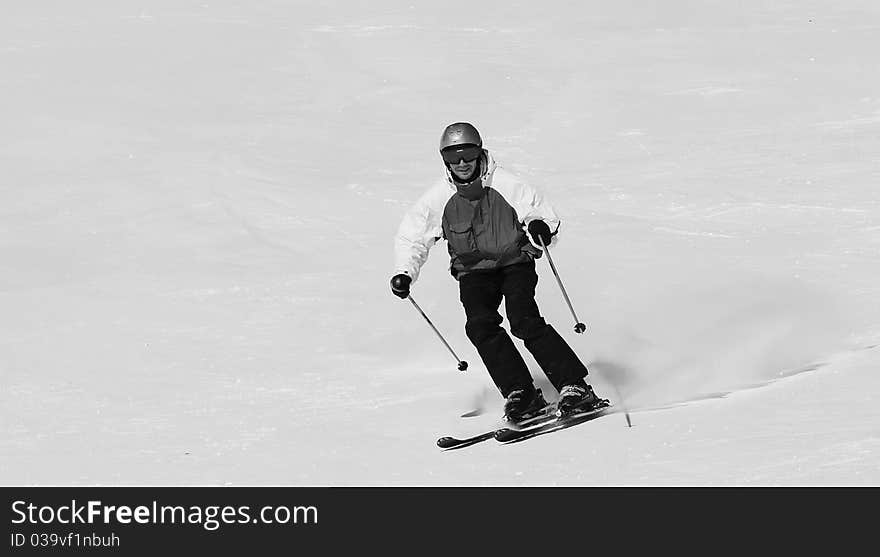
x=522 y=404
x=578 y=398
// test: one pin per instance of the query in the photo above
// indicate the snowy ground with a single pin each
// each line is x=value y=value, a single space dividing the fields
x=197 y=202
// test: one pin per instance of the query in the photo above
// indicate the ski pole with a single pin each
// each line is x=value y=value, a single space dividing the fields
x=623 y=405
x=578 y=327
x=462 y=365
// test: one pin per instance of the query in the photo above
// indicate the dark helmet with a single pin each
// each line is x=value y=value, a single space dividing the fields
x=460 y=133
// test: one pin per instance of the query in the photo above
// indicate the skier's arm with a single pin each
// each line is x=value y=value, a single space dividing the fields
x=538 y=208
x=417 y=233
x=530 y=204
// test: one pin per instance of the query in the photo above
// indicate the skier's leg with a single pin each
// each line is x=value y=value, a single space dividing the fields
x=481 y=297
x=556 y=358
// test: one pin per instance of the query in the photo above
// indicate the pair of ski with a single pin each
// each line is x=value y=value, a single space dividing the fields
x=546 y=421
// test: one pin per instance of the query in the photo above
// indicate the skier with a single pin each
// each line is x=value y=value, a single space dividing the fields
x=493 y=223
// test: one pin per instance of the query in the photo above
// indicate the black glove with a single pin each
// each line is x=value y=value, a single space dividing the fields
x=539 y=230
x=400 y=285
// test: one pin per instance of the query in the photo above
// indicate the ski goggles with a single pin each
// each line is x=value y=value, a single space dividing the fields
x=468 y=153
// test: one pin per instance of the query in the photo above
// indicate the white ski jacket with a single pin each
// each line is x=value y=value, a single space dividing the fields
x=483 y=233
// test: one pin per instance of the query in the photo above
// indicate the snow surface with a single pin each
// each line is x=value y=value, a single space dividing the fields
x=198 y=199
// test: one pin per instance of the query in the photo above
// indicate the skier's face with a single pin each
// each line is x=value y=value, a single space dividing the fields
x=464 y=169
x=462 y=159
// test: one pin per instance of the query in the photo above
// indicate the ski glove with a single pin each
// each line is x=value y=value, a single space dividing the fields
x=539 y=230
x=400 y=285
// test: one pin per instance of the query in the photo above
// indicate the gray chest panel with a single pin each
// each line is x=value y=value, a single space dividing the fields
x=483 y=233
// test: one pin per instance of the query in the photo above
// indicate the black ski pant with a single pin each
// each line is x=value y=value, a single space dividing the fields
x=481 y=295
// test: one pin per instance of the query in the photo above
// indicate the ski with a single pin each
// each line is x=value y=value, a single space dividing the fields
x=448 y=443
x=510 y=435
x=546 y=414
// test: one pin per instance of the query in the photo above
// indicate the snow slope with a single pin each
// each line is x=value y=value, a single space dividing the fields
x=198 y=199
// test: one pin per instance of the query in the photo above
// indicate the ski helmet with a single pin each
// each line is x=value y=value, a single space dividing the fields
x=460 y=133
